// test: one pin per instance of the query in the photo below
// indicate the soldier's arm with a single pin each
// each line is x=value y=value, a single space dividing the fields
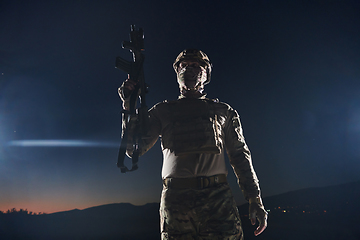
x=240 y=159
x=240 y=156
x=149 y=139
x=125 y=91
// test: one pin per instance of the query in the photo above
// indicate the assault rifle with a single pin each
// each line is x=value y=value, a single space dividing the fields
x=136 y=73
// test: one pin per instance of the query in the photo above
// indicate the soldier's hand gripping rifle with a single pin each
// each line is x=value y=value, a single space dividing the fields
x=136 y=73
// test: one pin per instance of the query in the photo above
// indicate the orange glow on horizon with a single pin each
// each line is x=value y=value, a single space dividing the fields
x=47 y=206
x=52 y=205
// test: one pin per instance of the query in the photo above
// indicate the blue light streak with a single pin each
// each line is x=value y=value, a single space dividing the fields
x=61 y=143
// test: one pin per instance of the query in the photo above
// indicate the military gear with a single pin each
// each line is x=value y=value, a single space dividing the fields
x=194 y=183
x=196 y=200
x=195 y=154
x=195 y=128
x=192 y=78
x=136 y=73
x=189 y=212
x=257 y=210
x=206 y=214
x=198 y=55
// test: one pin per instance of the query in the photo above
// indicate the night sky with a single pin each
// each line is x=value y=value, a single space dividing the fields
x=290 y=68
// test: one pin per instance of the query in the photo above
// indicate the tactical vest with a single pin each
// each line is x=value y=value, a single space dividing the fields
x=193 y=127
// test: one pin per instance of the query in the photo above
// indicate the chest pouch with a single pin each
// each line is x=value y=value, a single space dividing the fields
x=195 y=129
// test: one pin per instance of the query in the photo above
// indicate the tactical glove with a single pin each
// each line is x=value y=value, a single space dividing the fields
x=125 y=92
x=257 y=210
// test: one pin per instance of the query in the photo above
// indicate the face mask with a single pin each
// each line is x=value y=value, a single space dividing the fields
x=192 y=78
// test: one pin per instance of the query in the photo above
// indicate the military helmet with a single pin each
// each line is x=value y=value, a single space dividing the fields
x=195 y=54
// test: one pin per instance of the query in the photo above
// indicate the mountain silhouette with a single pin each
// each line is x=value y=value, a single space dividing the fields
x=313 y=213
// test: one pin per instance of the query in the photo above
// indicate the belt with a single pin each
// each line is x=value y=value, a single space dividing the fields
x=194 y=183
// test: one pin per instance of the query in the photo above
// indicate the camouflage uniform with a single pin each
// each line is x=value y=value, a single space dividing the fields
x=217 y=127
x=195 y=133
x=208 y=213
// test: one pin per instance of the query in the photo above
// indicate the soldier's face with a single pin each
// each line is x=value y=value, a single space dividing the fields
x=191 y=75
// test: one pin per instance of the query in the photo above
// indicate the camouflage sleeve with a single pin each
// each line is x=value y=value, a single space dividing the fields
x=149 y=139
x=240 y=156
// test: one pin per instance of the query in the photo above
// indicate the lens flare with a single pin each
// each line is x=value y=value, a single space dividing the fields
x=61 y=143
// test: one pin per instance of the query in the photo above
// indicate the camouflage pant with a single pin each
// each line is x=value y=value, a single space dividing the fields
x=204 y=214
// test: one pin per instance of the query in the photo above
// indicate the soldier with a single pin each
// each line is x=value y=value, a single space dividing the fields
x=196 y=201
